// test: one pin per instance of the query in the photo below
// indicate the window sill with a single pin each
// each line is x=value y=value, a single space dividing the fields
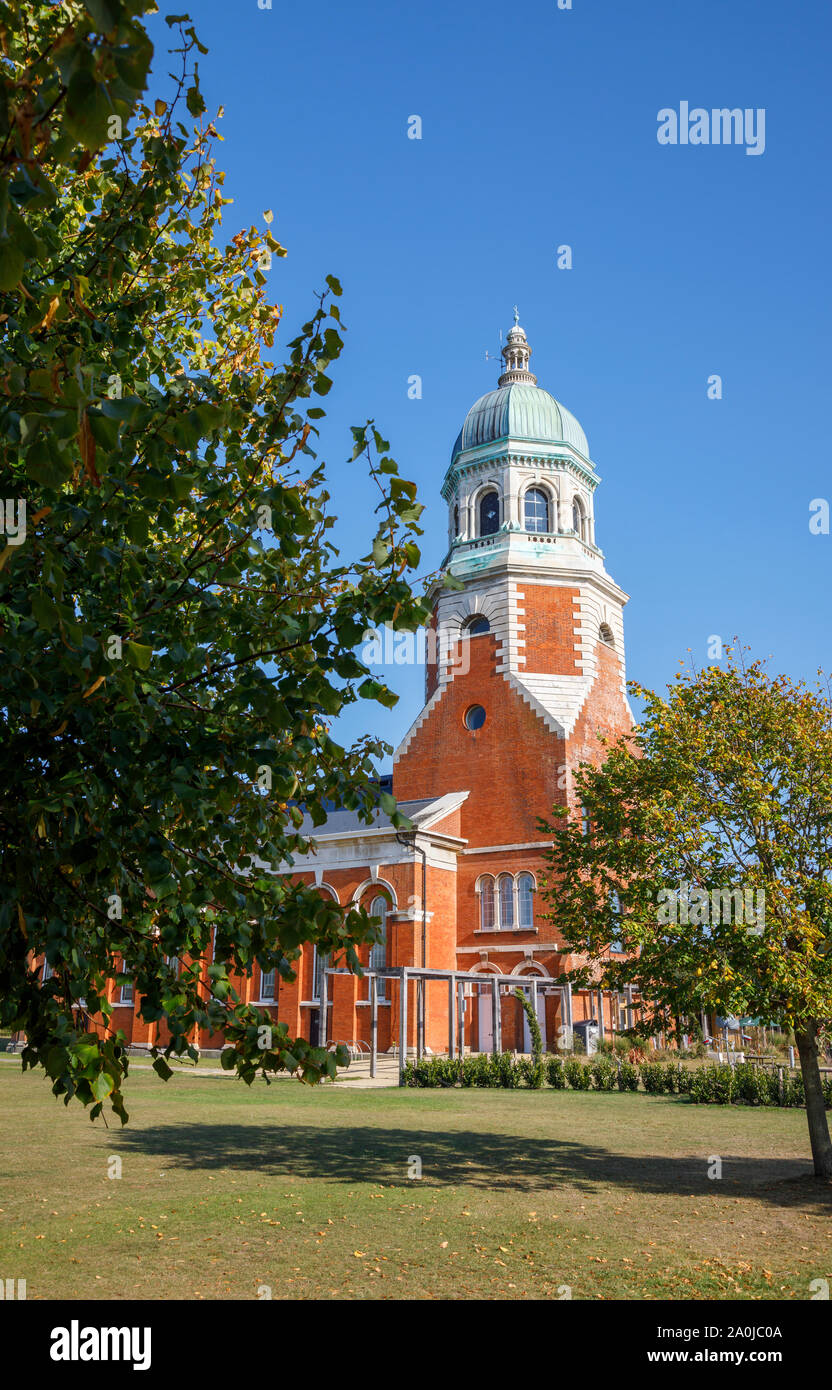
x=365 y=1003
x=506 y=931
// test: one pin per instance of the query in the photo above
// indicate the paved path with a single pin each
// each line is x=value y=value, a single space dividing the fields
x=356 y=1076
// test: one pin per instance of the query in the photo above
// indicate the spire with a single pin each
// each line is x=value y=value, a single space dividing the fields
x=516 y=354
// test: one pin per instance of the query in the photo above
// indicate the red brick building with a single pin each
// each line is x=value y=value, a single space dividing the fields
x=527 y=674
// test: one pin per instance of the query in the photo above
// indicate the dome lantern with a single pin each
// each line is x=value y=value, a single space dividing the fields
x=516 y=354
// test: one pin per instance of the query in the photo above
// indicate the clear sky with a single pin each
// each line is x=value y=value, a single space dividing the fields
x=539 y=129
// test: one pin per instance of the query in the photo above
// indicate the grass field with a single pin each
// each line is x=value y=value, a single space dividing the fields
x=225 y=1189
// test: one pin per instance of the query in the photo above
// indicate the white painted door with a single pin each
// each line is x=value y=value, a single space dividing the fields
x=541 y=1018
x=485 y=1022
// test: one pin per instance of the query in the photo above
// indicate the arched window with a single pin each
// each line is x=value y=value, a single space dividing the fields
x=267 y=986
x=506 y=900
x=456 y=520
x=578 y=518
x=487 y=903
x=605 y=633
x=489 y=514
x=525 y=900
x=476 y=626
x=616 y=943
x=378 y=950
x=536 y=510
x=319 y=965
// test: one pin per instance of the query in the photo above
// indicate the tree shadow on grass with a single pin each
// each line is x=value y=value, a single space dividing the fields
x=487 y=1162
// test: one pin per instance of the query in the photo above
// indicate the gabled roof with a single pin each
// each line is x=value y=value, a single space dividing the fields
x=423 y=814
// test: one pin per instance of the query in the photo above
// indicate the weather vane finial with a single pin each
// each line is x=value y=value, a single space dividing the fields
x=516 y=315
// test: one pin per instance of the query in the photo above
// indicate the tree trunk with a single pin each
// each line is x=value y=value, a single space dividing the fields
x=807 y=1046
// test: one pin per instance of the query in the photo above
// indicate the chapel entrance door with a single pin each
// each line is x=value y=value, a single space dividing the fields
x=485 y=1020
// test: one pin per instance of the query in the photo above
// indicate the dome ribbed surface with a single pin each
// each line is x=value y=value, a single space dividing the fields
x=520 y=411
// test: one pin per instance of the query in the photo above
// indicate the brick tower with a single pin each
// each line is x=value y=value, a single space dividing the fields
x=529 y=667
x=529 y=673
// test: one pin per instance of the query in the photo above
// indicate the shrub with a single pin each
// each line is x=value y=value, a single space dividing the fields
x=432 y=1071
x=604 y=1073
x=752 y=1085
x=508 y=1071
x=627 y=1079
x=578 y=1076
x=482 y=1070
x=652 y=1075
x=683 y=1079
x=794 y=1090
x=712 y=1085
x=531 y=1072
x=676 y=1078
x=555 y=1073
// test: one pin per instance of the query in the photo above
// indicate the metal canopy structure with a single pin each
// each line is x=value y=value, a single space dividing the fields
x=456 y=981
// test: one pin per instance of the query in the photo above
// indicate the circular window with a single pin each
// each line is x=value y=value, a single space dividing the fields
x=474 y=717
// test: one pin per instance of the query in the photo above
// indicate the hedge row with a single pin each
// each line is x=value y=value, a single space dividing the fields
x=718 y=1084
x=508 y=1072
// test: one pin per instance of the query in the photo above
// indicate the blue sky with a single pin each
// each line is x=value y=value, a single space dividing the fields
x=539 y=129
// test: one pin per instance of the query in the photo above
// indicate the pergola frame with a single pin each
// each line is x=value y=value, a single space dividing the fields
x=456 y=981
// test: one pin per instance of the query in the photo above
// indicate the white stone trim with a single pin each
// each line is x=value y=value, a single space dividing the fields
x=518 y=946
x=374 y=882
x=505 y=849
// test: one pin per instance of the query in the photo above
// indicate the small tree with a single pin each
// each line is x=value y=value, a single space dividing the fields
x=707 y=854
x=534 y=1034
x=178 y=630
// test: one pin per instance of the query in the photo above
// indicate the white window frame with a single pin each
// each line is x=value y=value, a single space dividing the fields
x=501 y=879
x=579 y=508
x=542 y=492
x=487 y=492
x=381 y=984
x=524 y=873
x=491 y=883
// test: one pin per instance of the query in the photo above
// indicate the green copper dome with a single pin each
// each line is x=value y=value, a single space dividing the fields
x=520 y=411
x=519 y=408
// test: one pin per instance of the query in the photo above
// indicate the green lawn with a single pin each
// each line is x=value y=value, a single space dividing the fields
x=225 y=1189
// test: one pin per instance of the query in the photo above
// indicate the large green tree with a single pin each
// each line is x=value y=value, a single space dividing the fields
x=702 y=847
x=177 y=627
